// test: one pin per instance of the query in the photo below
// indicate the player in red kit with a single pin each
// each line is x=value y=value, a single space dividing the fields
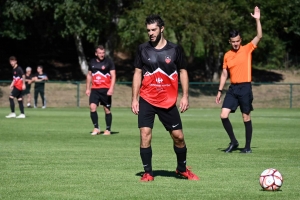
x=155 y=91
x=100 y=83
x=16 y=86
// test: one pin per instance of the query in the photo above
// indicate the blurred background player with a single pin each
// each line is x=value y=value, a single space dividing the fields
x=238 y=62
x=155 y=91
x=39 y=87
x=16 y=86
x=28 y=81
x=100 y=83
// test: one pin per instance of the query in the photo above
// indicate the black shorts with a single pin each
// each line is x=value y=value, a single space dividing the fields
x=239 y=95
x=100 y=96
x=27 y=90
x=16 y=93
x=170 y=117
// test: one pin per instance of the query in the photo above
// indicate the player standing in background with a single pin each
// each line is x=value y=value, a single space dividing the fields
x=16 y=86
x=238 y=62
x=28 y=81
x=155 y=80
x=39 y=87
x=100 y=83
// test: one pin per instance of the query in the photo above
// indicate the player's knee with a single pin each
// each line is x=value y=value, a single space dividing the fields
x=11 y=97
x=20 y=99
x=224 y=115
x=246 y=118
x=93 y=107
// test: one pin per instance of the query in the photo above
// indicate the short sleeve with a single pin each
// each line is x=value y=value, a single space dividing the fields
x=111 y=65
x=138 y=59
x=90 y=64
x=180 y=60
x=20 y=71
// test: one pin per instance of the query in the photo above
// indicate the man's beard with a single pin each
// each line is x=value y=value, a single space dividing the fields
x=158 y=37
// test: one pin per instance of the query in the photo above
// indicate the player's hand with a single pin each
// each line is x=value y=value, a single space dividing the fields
x=256 y=13
x=88 y=92
x=110 y=92
x=135 y=107
x=23 y=87
x=218 y=98
x=11 y=87
x=184 y=104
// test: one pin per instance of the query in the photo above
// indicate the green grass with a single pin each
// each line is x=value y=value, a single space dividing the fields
x=50 y=155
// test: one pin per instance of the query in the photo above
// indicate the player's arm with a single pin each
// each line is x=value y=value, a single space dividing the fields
x=12 y=84
x=184 y=80
x=23 y=78
x=223 y=79
x=112 y=83
x=136 y=84
x=256 y=16
x=88 y=83
x=46 y=78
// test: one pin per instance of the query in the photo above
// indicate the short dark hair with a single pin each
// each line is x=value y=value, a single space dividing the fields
x=234 y=33
x=101 y=47
x=151 y=19
x=13 y=58
x=40 y=66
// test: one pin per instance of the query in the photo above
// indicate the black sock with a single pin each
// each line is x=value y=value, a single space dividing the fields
x=94 y=117
x=12 y=105
x=146 y=156
x=248 y=129
x=181 y=158
x=228 y=127
x=108 y=119
x=21 y=106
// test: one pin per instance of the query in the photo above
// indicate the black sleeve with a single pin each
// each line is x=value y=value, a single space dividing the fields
x=111 y=65
x=90 y=65
x=180 y=58
x=20 y=71
x=138 y=59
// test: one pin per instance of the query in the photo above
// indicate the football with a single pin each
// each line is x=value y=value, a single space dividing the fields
x=271 y=179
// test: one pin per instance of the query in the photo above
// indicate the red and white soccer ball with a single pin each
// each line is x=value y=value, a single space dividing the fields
x=271 y=179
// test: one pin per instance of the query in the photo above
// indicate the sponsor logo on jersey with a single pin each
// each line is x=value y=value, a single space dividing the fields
x=103 y=67
x=159 y=80
x=167 y=59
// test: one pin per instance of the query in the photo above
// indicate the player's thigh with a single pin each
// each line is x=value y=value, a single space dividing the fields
x=16 y=93
x=146 y=114
x=105 y=99
x=170 y=118
x=94 y=97
x=245 y=100
x=230 y=101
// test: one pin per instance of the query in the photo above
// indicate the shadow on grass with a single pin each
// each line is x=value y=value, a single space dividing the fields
x=236 y=149
x=163 y=173
x=112 y=132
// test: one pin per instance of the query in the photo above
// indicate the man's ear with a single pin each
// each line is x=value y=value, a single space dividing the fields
x=162 y=29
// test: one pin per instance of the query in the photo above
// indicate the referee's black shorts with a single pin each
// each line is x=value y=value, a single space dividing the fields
x=239 y=95
x=170 y=117
x=99 y=96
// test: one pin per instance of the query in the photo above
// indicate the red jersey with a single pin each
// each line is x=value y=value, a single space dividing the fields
x=160 y=73
x=17 y=77
x=101 y=72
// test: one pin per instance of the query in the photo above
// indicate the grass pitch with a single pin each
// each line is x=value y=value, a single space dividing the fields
x=51 y=155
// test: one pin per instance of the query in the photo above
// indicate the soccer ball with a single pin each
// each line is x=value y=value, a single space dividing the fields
x=271 y=179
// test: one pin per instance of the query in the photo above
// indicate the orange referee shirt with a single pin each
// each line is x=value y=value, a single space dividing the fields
x=239 y=63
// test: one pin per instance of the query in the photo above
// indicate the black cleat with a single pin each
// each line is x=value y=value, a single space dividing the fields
x=231 y=147
x=246 y=150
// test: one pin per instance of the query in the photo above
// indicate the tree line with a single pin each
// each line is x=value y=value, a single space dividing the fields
x=201 y=27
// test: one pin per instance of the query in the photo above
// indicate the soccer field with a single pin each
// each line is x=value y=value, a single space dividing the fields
x=51 y=155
